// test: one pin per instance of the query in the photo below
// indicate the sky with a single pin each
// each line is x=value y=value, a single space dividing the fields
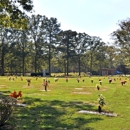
x=94 y=17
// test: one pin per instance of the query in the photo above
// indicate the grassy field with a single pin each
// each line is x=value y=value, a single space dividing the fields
x=58 y=108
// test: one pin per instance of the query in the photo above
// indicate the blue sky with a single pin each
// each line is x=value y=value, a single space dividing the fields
x=94 y=17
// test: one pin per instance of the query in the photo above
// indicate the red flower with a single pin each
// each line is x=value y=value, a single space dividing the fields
x=15 y=95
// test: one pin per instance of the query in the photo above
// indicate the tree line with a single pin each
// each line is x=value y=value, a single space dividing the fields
x=35 y=43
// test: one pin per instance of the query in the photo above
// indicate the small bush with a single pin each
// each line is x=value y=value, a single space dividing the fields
x=6 y=108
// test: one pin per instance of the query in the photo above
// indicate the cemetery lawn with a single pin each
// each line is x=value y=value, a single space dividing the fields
x=58 y=108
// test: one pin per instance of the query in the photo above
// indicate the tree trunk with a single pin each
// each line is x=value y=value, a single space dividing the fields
x=65 y=67
x=79 y=65
x=2 y=63
x=23 y=62
x=67 y=58
x=35 y=61
x=2 y=59
x=49 y=60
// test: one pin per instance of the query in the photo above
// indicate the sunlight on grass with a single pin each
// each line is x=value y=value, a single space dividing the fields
x=57 y=108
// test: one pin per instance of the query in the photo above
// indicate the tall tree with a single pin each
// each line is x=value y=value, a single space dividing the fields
x=52 y=28
x=12 y=14
x=94 y=44
x=37 y=36
x=22 y=46
x=5 y=37
x=100 y=58
x=82 y=42
x=111 y=54
x=122 y=36
x=67 y=46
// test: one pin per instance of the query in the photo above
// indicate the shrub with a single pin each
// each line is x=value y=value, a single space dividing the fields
x=6 y=108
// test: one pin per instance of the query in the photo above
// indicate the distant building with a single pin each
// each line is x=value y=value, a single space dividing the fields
x=107 y=71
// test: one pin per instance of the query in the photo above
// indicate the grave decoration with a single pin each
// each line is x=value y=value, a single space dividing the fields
x=101 y=101
x=29 y=82
x=16 y=95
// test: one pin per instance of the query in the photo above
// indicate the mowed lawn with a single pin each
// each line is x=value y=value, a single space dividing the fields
x=58 y=108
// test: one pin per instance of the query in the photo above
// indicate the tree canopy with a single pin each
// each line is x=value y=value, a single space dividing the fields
x=35 y=43
x=13 y=13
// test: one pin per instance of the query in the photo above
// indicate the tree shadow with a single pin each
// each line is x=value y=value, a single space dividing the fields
x=52 y=115
x=5 y=92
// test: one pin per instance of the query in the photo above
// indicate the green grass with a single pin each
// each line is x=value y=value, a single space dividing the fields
x=58 y=108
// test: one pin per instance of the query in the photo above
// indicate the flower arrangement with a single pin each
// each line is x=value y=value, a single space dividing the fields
x=66 y=79
x=91 y=80
x=28 y=81
x=98 y=86
x=110 y=80
x=123 y=82
x=16 y=95
x=101 y=101
x=56 y=79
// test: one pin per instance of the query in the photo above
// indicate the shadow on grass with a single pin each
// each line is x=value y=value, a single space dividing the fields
x=5 y=91
x=52 y=115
